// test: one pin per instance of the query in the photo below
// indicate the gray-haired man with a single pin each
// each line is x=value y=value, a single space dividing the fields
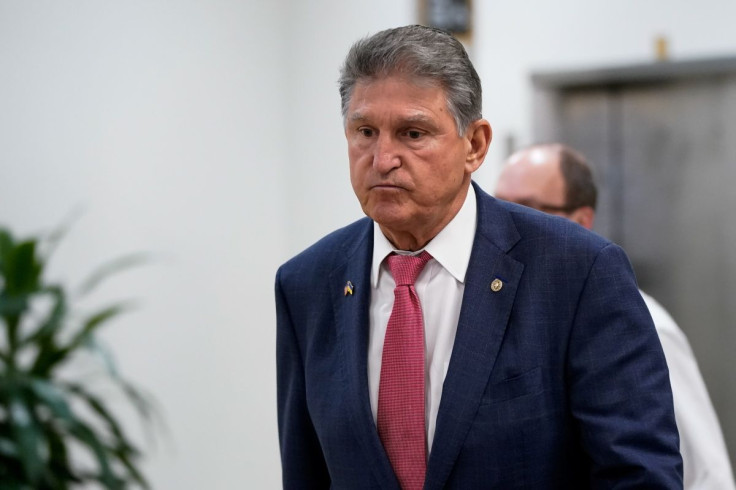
x=450 y=340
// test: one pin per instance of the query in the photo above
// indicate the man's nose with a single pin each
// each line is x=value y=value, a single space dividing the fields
x=386 y=154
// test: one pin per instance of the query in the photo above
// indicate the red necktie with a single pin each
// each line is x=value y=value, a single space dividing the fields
x=401 y=423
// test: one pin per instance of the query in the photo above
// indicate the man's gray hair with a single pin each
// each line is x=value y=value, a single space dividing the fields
x=424 y=54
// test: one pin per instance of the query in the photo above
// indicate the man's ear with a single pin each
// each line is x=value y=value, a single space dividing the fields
x=479 y=135
x=584 y=216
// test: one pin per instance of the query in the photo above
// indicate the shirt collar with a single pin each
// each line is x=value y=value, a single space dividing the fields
x=451 y=247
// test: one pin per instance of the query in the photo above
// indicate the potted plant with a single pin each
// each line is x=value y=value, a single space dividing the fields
x=55 y=432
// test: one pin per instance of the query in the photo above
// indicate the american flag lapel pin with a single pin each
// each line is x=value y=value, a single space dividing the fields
x=348 y=288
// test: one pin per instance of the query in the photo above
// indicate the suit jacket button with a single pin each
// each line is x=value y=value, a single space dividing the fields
x=496 y=285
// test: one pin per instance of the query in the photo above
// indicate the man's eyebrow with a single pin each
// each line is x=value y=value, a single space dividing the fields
x=357 y=116
x=417 y=118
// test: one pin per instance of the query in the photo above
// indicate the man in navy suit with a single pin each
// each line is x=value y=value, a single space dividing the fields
x=542 y=366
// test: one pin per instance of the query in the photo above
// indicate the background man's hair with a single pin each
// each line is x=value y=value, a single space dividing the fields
x=425 y=55
x=580 y=189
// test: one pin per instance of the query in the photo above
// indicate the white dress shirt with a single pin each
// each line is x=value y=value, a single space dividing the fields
x=706 y=465
x=440 y=288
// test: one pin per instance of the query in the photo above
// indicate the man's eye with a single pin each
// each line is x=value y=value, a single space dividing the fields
x=367 y=132
x=414 y=134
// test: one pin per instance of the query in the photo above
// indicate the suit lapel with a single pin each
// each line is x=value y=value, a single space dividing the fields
x=352 y=324
x=483 y=318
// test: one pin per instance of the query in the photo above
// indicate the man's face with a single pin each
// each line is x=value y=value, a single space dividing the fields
x=533 y=178
x=409 y=168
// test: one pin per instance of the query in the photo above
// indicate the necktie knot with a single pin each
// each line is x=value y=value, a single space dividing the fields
x=406 y=268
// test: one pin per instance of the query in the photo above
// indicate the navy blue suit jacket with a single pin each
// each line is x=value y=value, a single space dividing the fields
x=557 y=381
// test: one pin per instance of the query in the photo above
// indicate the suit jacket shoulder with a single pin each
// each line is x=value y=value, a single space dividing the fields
x=329 y=252
x=517 y=227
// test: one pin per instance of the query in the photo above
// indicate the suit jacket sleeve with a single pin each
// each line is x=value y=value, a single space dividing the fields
x=619 y=386
x=302 y=461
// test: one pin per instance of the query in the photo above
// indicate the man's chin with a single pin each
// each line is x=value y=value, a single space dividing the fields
x=387 y=212
x=393 y=224
x=389 y=221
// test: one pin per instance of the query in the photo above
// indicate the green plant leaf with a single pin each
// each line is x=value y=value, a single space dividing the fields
x=48 y=328
x=104 y=354
x=27 y=436
x=84 y=434
x=135 y=474
x=8 y=448
x=20 y=272
x=7 y=245
x=53 y=398
x=123 y=449
x=38 y=422
x=44 y=394
x=15 y=486
x=59 y=466
x=110 y=268
x=142 y=403
x=12 y=308
x=13 y=305
x=23 y=270
x=50 y=396
x=91 y=324
x=101 y=410
x=50 y=356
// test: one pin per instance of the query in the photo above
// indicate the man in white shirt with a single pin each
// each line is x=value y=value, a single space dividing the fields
x=557 y=180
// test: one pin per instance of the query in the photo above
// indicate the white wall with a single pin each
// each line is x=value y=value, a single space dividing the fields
x=209 y=133
x=164 y=121
x=513 y=39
